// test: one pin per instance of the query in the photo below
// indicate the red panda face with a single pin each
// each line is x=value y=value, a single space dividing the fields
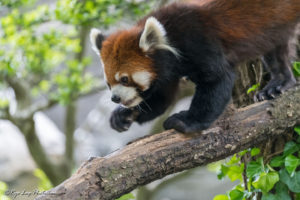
x=127 y=68
x=128 y=71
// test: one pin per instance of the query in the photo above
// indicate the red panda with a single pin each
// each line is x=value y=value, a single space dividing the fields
x=201 y=40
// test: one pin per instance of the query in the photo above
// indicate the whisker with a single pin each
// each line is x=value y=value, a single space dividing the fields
x=141 y=109
x=148 y=105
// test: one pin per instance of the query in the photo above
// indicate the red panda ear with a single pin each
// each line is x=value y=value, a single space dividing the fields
x=154 y=37
x=96 y=38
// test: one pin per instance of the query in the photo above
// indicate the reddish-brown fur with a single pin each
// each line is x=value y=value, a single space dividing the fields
x=257 y=21
x=121 y=53
x=250 y=18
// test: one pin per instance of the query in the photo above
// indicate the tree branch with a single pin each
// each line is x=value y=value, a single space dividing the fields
x=156 y=156
x=49 y=103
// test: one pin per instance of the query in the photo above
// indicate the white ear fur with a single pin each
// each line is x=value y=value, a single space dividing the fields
x=143 y=78
x=93 y=37
x=154 y=37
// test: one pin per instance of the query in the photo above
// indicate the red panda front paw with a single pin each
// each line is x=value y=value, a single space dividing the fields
x=183 y=123
x=121 y=119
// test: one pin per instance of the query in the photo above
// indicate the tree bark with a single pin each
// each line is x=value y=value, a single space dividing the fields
x=156 y=156
x=70 y=127
x=53 y=172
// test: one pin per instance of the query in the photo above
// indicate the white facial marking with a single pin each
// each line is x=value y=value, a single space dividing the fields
x=93 y=36
x=143 y=78
x=154 y=37
x=129 y=96
x=124 y=75
x=117 y=76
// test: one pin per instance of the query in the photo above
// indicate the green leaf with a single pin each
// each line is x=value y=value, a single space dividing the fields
x=277 y=161
x=243 y=152
x=290 y=148
x=233 y=172
x=4 y=103
x=45 y=85
x=233 y=160
x=291 y=163
x=236 y=195
x=298 y=140
x=255 y=151
x=268 y=196
x=221 y=175
x=3 y=187
x=253 y=169
x=297 y=129
x=296 y=68
x=221 y=197
x=293 y=183
x=129 y=196
x=282 y=191
x=44 y=182
x=215 y=166
x=253 y=88
x=266 y=181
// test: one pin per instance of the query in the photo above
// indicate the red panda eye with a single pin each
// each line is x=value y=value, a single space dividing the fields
x=124 y=80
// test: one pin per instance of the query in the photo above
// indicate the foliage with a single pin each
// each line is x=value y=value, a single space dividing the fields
x=42 y=58
x=104 y=12
x=274 y=180
x=296 y=68
x=3 y=189
x=44 y=182
x=15 y=3
x=35 y=56
x=32 y=51
x=3 y=103
x=253 y=88
x=129 y=196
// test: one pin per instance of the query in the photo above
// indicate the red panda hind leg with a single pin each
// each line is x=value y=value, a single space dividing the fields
x=278 y=63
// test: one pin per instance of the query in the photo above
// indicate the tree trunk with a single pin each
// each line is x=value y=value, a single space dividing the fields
x=53 y=172
x=71 y=113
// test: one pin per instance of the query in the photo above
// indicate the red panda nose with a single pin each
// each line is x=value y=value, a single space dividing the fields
x=116 y=99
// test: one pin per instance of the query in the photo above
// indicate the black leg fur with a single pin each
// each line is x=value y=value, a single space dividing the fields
x=207 y=105
x=122 y=118
x=277 y=62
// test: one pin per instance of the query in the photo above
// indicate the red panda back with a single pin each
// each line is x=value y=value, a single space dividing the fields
x=238 y=19
x=250 y=27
